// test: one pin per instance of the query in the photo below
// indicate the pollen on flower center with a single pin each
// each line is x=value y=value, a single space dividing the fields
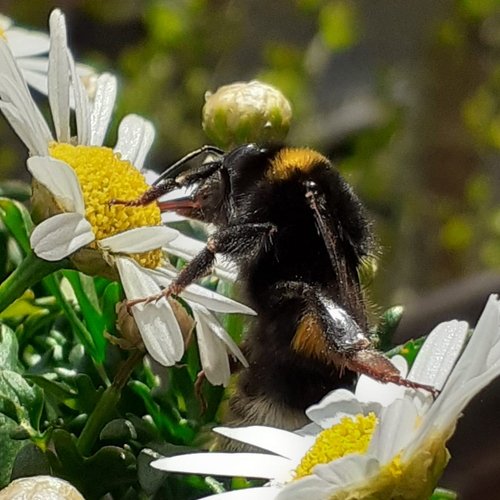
x=351 y=435
x=103 y=177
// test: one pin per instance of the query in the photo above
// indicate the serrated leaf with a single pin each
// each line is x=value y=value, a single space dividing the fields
x=17 y=220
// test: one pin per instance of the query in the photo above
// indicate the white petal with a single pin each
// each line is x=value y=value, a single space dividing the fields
x=156 y=321
x=310 y=487
x=36 y=80
x=195 y=293
x=81 y=103
x=208 y=298
x=60 y=236
x=5 y=22
x=135 y=136
x=20 y=126
x=396 y=428
x=216 y=329
x=59 y=76
x=36 y=64
x=476 y=355
x=257 y=465
x=258 y=493
x=160 y=331
x=371 y=390
x=24 y=43
x=336 y=405
x=284 y=443
x=348 y=470
x=469 y=376
x=60 y=179
x=102 y=108
x=139 y=239
x=14 y=92
x=439 y=353
x=213 y=355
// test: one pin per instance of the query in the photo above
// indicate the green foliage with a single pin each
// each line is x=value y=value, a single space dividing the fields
x=72 y=404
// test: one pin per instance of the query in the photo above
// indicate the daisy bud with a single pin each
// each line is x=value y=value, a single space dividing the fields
x=246 y=112
x=28 y=488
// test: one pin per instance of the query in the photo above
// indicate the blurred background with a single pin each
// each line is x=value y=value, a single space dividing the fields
x=403 y=96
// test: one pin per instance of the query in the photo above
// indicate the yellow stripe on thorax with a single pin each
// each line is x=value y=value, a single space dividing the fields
x=290 y=160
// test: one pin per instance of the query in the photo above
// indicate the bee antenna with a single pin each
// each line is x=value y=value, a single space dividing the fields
x=176 y=168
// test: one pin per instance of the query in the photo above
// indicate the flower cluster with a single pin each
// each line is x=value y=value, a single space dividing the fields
x=74 y=179
x=382 y=441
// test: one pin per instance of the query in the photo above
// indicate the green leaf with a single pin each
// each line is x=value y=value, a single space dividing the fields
x=409 y=350
x=88 y=395
x=79 y=328
x=21 y=307
x=111 y=296
x=9 y=449
x=20 y=191
x=109 y=468
x=61 y=392
x=338 y=25
x=30 y=461
x=443 y=494
x=152 y=479
x=387 y=326
x=8 y=349
x=166 y=417
x=119 y=430
x=85 y=292
x=18 y=400
x=17 y=220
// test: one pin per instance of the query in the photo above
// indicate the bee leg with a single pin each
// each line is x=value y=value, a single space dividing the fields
x=377 y=366
x=234 y=241
x=152 y=194
x=328 y=332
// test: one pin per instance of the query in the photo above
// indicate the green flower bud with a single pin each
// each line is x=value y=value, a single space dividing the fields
x=245 y=112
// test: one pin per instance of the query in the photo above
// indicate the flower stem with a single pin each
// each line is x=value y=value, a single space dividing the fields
x=31 y=270
x=106 y=407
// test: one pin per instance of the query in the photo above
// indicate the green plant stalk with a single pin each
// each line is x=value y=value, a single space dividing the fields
x=31 y=270
x=106 y=407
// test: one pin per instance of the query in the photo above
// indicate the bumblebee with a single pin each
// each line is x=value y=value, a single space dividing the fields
x=299 y=234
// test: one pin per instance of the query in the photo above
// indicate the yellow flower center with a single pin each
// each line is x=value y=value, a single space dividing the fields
x=2 y=34
x=104 y=177
x=351 y=435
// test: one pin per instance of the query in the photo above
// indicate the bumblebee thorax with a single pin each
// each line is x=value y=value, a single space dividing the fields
x=288 y=161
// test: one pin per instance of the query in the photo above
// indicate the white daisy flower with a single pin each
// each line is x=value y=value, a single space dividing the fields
x=75 y=178
x=383 y=441
x=30 y=49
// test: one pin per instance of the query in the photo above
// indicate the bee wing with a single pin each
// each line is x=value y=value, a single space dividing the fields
x=342 y=252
